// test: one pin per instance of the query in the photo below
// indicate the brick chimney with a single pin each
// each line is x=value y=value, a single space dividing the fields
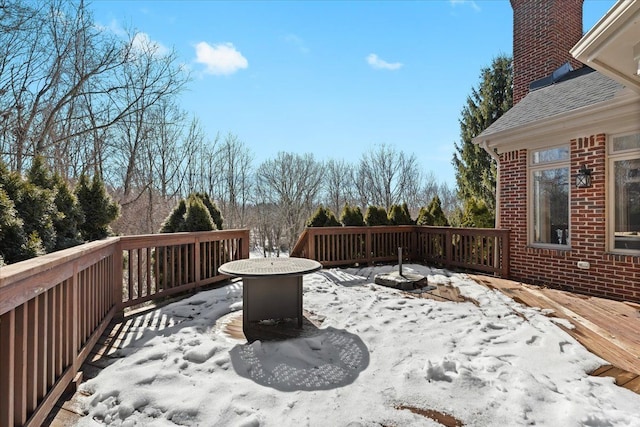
x=543 y=33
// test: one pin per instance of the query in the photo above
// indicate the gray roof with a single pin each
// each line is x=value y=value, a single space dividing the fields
x=580 y=88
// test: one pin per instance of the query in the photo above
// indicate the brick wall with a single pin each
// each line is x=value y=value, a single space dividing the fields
x=609 y=275
x=544 y=31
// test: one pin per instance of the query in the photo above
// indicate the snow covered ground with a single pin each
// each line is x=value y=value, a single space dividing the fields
x=377 y=352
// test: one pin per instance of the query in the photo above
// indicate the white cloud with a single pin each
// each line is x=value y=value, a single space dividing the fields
x=141 y=42
x=471 y=3
x=220 y=59
x=113 y=27
x=379 y=63
x=296 y=41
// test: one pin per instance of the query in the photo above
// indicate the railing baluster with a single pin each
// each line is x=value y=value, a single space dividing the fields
x=32 y=355
x=7 y=367
x=20 y=381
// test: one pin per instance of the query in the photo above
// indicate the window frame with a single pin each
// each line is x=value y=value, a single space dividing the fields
x=612 y=158
x=541 y=166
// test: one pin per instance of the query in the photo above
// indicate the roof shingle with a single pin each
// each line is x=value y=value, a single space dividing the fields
x=580 y=88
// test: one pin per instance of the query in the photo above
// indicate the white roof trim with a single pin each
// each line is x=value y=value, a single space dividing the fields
x=598 y=48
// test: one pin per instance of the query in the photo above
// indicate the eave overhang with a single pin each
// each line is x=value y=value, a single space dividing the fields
x=609 y=46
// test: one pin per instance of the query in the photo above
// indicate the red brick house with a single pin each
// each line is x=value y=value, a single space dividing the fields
x=568 y=151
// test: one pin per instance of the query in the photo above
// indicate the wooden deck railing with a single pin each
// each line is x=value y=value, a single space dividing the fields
x=54 y=308
x=477 y=249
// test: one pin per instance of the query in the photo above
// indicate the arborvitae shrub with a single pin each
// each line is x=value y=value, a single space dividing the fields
x=477 y=214
x=175 y=221
x=405 y=210
x=399 y=215
x=376 y=215
x=98 y=208
x=13 y=241
x=197 y=217
x=435 y=209
x=424 y=217
x=351 y=216
x=40 y=175
x=34 y=246
x=36 y=207
x=70 y=216
x=178 y=221
x=39 y=213
x=215 y=213
x=322 y=217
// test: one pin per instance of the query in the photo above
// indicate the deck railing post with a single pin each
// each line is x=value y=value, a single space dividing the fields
x=245 y=244
x=75 y=298
x=117 y=278
x=311 y=243
x=505 y=246
x=196 y=260
x=368 y=244
x=448 y=247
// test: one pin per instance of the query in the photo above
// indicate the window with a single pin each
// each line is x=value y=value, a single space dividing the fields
x=624 y=193
x=549 y=197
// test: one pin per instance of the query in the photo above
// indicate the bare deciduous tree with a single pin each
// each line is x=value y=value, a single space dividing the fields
x=292 y=182
x=385 y=177
x=234 y=160
x=338 y=184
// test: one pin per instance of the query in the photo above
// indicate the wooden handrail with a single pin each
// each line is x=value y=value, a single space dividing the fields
x=54 y=308
x=479 y=249
x=300 y=249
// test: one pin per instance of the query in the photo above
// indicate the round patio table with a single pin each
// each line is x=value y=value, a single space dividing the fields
x=272 y=287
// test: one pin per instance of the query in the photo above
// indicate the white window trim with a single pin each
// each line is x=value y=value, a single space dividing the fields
x=612 y=157
x=531 y=168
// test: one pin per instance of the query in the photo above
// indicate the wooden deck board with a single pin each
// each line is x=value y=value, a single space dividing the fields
x=607 y=328
x=633 y=385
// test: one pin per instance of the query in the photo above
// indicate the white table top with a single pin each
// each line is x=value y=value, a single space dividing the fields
x=261 y=267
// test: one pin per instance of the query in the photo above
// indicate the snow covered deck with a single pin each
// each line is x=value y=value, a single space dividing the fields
x=462 y=354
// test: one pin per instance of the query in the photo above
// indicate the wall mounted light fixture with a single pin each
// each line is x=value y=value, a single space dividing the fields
x=583 y=179
x=636 y=58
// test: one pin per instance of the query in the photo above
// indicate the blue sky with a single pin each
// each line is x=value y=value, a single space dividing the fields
x=332 y=78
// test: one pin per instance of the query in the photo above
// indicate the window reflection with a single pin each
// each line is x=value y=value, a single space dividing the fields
x=627 y=204
x=551 y=206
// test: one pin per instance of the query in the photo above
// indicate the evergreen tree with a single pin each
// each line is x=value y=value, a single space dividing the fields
x=37 y=209
x=376 y=215
x=399 y=215
x=175 y=221
x=475 y=169
x=13 y=240
x=182 y=219
x=351 y=216
x=40 y=175
x=436 y=212
x=197 y=216
x=70 y=216
x=476 y=214
x=323 y=217
x=34 y=206
x=98 y=208
x=424 y=217
x=215 y=213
